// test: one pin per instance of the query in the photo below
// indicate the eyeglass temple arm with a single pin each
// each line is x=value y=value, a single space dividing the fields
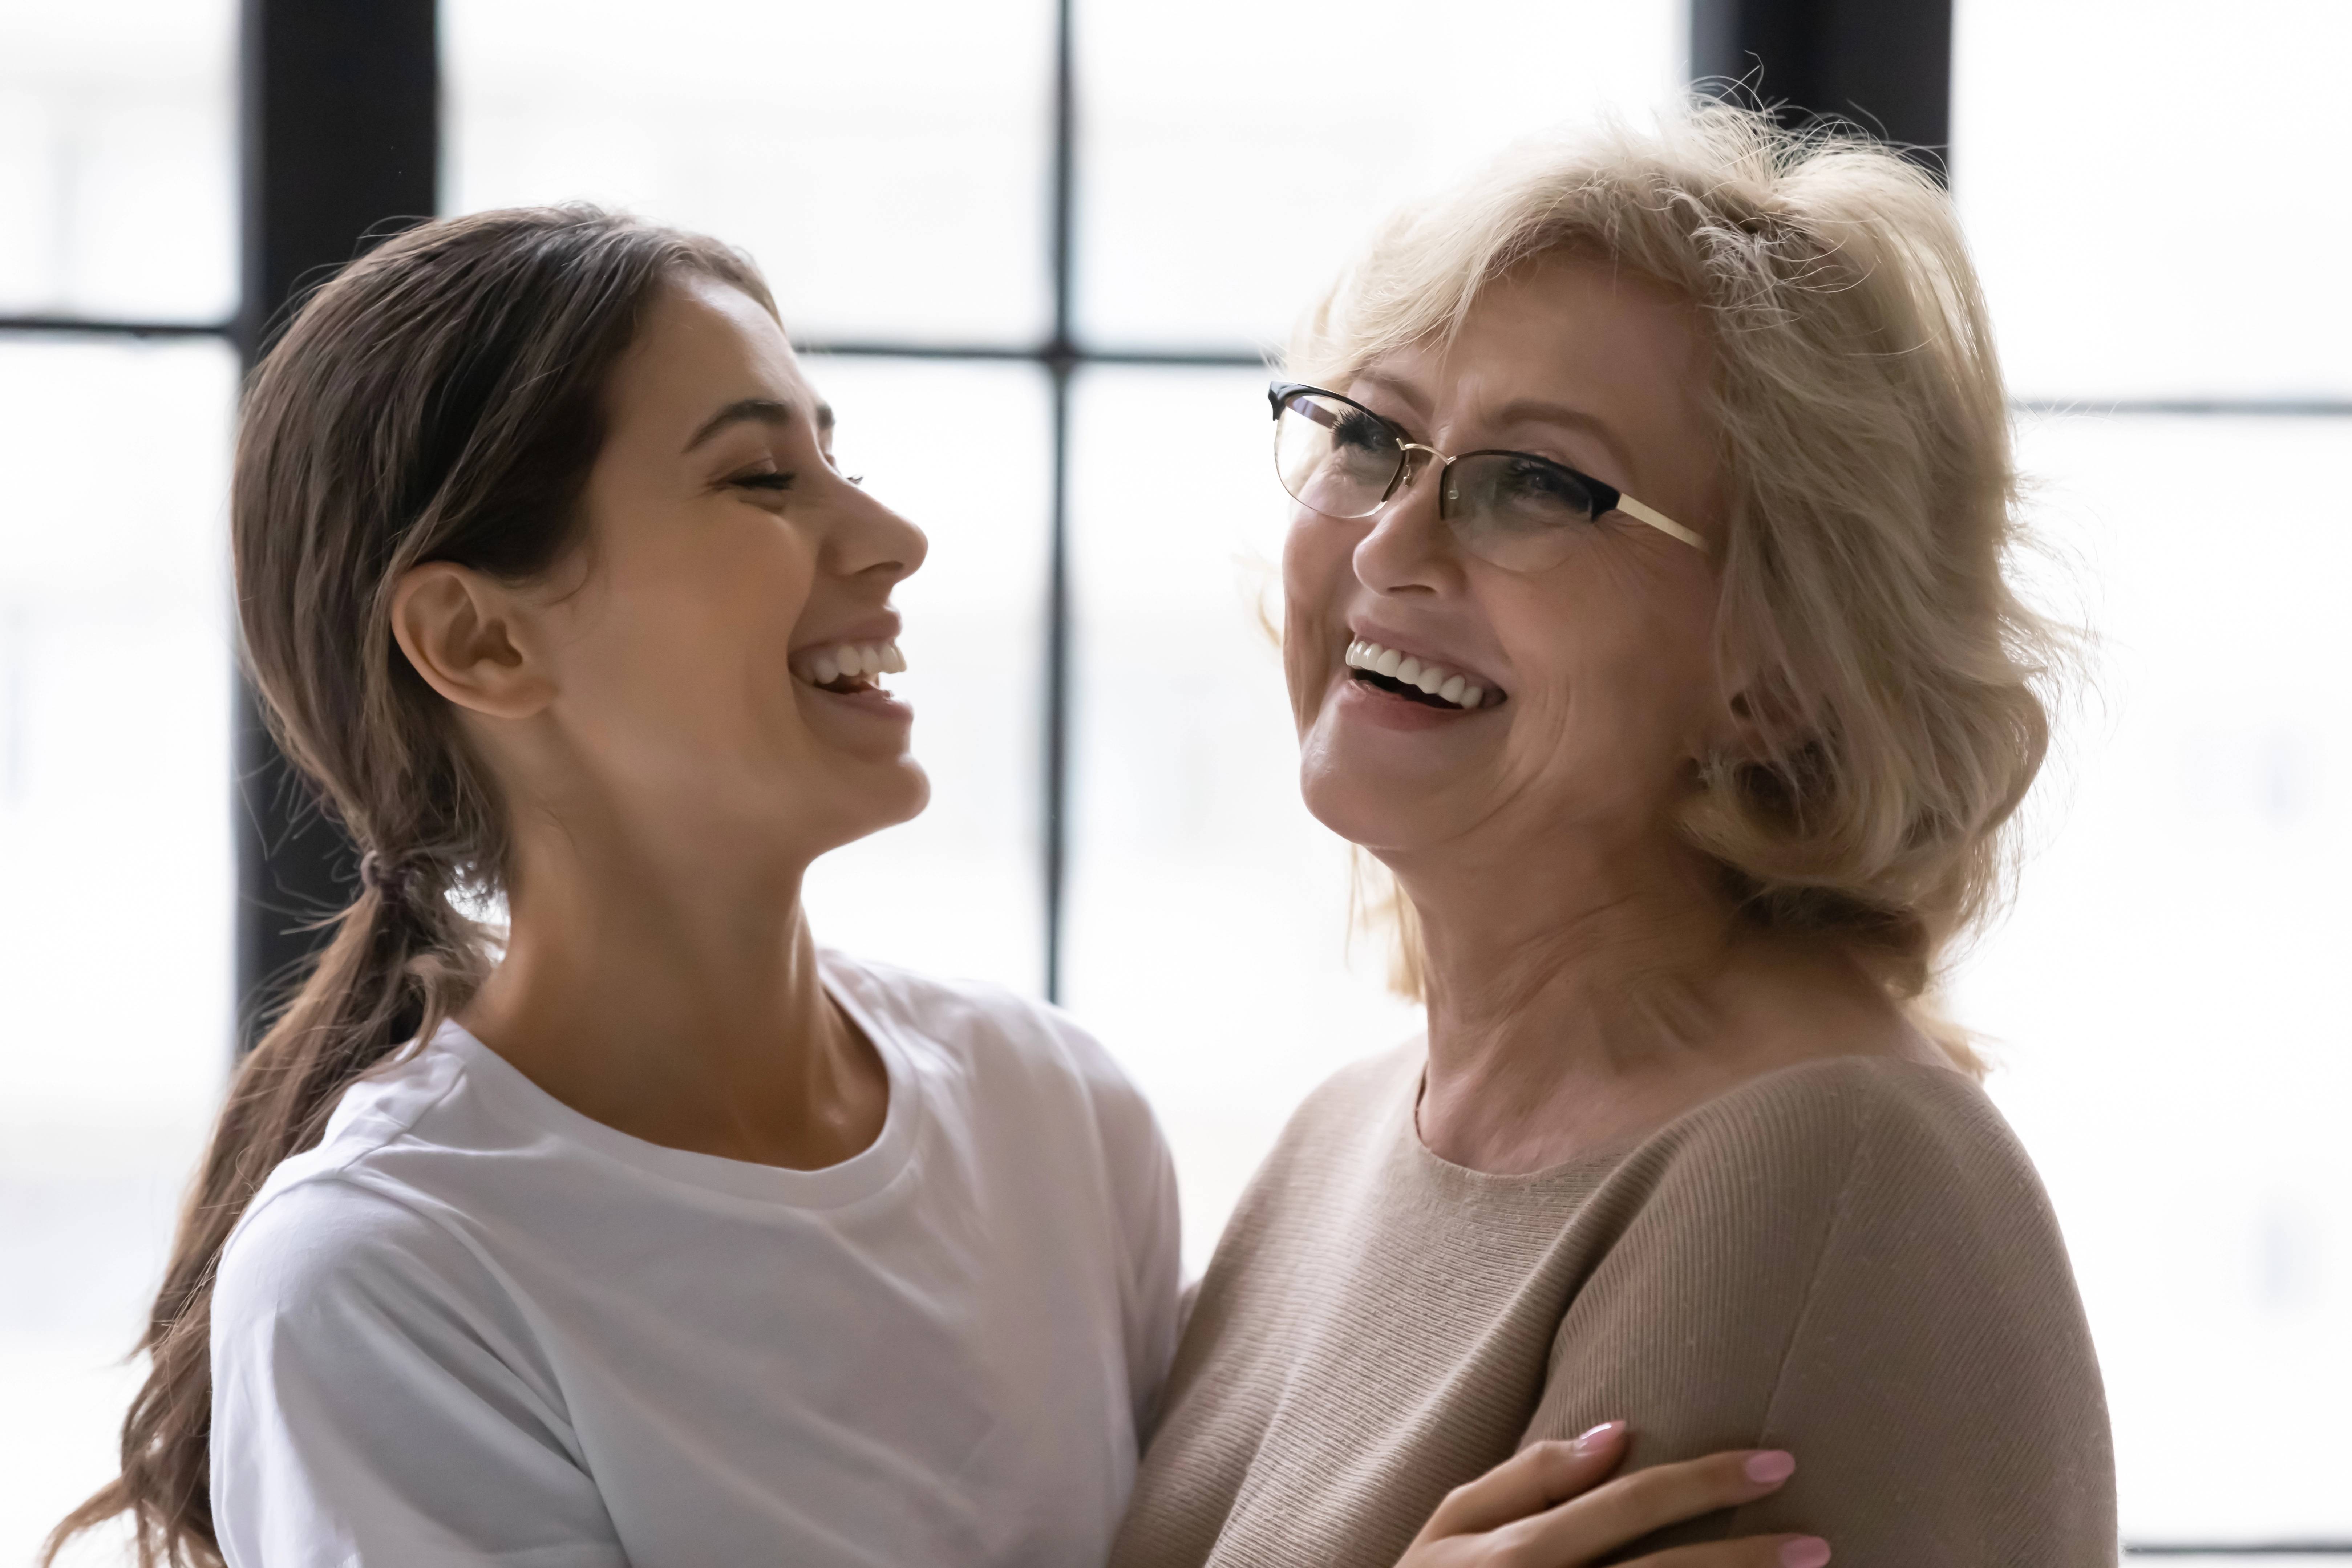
x=1659 y=521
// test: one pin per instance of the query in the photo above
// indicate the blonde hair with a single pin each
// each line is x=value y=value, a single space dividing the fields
x=1864 y=435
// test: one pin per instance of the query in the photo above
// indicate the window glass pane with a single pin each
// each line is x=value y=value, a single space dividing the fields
x=961 y=449
x=1236 y=153
x=114 y=854
x=2173 y=1049
x=886 y=162
x=2155 y=191
x=117 y=159
x=1207 y=931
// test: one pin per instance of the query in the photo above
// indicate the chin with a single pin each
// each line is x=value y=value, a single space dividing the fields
x=1362 y=794
x=912 y=794
x=889 y=794
x=1353 y=806
x=850 y=804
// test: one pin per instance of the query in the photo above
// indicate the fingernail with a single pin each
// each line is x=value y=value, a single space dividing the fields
x=1600 y=1435
x=1770 y=1466
x=1805 y=1552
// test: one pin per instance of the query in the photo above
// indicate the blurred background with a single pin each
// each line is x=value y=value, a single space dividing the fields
x=1034 y=246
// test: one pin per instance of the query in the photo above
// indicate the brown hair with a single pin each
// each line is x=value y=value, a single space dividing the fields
x=441 y=399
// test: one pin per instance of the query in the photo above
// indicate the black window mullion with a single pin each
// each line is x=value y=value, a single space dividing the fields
x=339 y=110
x=1061 y=362
x=339 y=140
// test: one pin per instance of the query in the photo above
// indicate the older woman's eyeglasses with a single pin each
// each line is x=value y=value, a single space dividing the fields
x=1515 y=509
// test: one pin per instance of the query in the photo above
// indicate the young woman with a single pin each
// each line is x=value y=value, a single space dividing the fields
x=650 y=1233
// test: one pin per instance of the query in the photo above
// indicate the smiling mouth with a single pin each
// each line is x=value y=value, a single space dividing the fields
x=847 y=669
x=1431 y=685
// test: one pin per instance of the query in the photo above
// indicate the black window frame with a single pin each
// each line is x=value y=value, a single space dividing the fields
x=338 y=143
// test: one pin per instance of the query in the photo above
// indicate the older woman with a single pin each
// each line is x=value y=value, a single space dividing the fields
x=1647 y=619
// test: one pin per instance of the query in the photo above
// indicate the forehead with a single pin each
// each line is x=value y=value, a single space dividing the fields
x=703 y=344
x=1564 y=330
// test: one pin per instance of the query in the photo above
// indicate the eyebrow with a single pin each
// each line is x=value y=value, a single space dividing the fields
x=757 y=411
x=1523 y=410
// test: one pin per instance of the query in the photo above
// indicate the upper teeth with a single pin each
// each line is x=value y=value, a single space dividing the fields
x=1433 y=679
x=827 y=664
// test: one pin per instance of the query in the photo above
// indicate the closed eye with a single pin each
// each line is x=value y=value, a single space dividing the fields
x=762 y=482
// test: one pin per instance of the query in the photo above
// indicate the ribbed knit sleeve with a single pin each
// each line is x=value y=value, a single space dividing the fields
x=1850 y=1258
x=1854 y=1261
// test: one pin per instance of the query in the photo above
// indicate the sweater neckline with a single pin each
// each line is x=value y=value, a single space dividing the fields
x=1405 y=1103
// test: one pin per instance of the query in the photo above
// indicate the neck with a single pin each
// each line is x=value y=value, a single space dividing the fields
x=669 y=987
x=1572 y=992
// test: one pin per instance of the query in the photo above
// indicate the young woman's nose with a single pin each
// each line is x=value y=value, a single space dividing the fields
x=869 y=538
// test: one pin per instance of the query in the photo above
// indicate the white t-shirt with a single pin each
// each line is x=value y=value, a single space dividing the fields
x=474 y=1326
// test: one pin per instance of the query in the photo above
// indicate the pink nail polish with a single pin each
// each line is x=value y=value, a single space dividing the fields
x=1770 y=1466
x=1805 y=1552
x=1600 y=1435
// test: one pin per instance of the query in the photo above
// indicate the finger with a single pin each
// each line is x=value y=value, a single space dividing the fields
x=1528 y=1482
x=1747 y=1552
x=1631 y=1507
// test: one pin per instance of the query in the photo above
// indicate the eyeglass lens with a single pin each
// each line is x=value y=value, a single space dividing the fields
x=1518 y=512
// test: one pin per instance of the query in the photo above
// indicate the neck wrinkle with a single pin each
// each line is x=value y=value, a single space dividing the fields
x=1562 y=988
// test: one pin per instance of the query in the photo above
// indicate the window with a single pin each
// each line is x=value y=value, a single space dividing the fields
x=1046 y=335
x=2161 y=999
x=114 y=699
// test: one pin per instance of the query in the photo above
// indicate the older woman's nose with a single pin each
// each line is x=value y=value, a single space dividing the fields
x=1406 y=550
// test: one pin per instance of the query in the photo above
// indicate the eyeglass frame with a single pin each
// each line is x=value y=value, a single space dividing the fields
x=1281 y=392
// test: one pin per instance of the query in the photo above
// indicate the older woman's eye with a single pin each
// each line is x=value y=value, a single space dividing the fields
x=762 y=482
x=1355 y=429
x=1531 y=485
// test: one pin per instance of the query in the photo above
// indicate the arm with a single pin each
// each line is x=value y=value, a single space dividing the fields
x=1139 y=1176
x=374 y=1402
x=1854 y=1260
x=1143 y=1194
x=1553 y=1505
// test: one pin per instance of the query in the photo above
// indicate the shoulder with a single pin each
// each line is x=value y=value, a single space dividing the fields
x=1842 y=1118
x=329 y=1255
x=1355 y=1112
x=999 y=1038
x=1854 y=1167
x=1362 y=1092
x=1331 y=1153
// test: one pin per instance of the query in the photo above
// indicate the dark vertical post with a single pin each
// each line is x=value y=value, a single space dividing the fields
x=1061 y=362
x=339 y=128
x=1884 y=63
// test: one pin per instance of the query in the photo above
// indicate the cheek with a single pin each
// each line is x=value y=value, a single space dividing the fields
x=1316 y=562
x=699 y=627
x=1317 y=577
x=1623 y=673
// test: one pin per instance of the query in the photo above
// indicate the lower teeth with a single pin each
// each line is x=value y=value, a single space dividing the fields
x=1389 y=683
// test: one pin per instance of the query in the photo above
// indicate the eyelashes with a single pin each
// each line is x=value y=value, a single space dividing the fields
x=777 y=483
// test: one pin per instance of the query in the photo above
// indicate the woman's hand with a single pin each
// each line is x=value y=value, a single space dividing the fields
x=1548 y=1507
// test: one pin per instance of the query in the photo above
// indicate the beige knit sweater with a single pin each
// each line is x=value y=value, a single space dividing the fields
x=1852 y=1259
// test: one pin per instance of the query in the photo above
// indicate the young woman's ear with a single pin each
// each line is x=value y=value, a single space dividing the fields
x=470 y=637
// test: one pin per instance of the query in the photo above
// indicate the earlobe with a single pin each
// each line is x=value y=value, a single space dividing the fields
x=1757 y=718
x=469 y=637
